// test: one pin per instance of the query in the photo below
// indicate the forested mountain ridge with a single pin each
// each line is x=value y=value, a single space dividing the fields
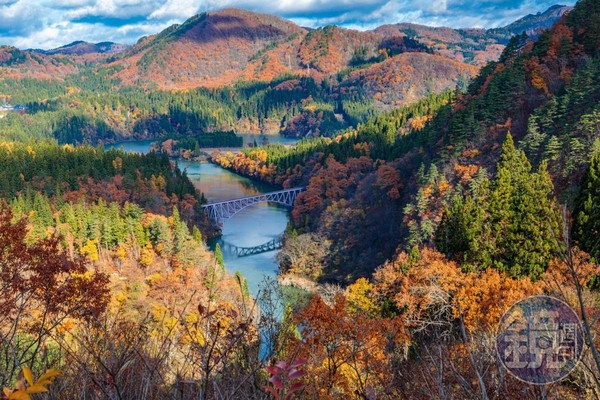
x=260 y=46
x=80 y=47
x=475 y=46
x=253 y=47
x=318 y=81
x=534 y=24
x=545 y=92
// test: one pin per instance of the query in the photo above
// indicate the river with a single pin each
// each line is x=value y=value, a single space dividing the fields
x=250 y=227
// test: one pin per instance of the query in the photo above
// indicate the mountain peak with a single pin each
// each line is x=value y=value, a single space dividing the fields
x=80 y=47
x=533 y=24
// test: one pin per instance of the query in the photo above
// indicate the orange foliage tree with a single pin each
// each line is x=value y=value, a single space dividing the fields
x=348 y=353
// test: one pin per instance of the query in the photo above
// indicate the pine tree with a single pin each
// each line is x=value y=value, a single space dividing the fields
x=242 y=285
x=219 y=258
x=523 y=217
x=586 y=223
x=197 y=235
x=513 y=226
x=461 y=230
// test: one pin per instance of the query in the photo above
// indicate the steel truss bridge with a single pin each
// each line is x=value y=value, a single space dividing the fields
x=222 y=210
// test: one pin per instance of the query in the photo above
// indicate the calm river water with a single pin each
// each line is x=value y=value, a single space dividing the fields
x=252 y=226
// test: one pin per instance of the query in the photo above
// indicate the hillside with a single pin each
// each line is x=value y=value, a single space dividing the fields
x=251 y=46
x=475 y=46
x=207 y=50
x=545 y=92
x=407 y=78
x=322 y=80
x=80 y=47
x=56 y=64
x=534 y=24
x=15 y=63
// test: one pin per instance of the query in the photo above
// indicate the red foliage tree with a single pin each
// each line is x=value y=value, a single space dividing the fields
x=39 y=289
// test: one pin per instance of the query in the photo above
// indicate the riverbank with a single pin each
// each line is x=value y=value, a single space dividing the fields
x=252 y=226
x=297 y=282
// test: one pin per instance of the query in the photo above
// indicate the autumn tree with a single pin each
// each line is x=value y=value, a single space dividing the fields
x=451 y=316
x=348 y=353
x=40 y=289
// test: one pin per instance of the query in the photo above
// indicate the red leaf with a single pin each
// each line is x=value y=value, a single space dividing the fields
x=295 y=374
x=296 y=387
x=293 y=389
x=272 y=370
x=272 y=390
x=276 y=381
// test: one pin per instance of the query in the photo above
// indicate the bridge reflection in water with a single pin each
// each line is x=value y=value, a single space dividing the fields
x=239 y=251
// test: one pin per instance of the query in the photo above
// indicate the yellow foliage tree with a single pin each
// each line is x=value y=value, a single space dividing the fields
x=147 y=256
x=360 y=298
x=91 y=250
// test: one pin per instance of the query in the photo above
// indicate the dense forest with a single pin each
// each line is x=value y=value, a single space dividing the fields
x=418 y=228
x=74 y=112
x=100 y=249
x=474 y=197
x=445 y=149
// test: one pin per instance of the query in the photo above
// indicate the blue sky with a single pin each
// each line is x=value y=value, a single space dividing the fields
x=52 y=23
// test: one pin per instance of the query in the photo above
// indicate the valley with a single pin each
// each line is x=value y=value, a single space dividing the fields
x=438 y=179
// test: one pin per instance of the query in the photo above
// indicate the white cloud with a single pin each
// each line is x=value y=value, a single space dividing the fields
x=66 y=3
x=114 y=8
x=19 y=17
x=173 y=9
x=51 y=23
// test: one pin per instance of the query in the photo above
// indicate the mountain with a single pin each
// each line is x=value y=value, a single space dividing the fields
x=533 y=24
x=80 y=47
x=407 y=78
x=219 y=48
x=15 y=63
x=254 y=72
x=475 y=46
x=213 y=50
x=55 y=64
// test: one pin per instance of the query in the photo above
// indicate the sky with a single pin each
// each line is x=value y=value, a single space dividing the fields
x=48 y=24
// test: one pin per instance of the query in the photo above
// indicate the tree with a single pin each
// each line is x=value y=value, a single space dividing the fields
x=40 y=288
x=510 y=224
x=461 y=230
x=586 y=224
x=219 y=258
x=197 y=235
x=523 y=217
x=348 y=354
